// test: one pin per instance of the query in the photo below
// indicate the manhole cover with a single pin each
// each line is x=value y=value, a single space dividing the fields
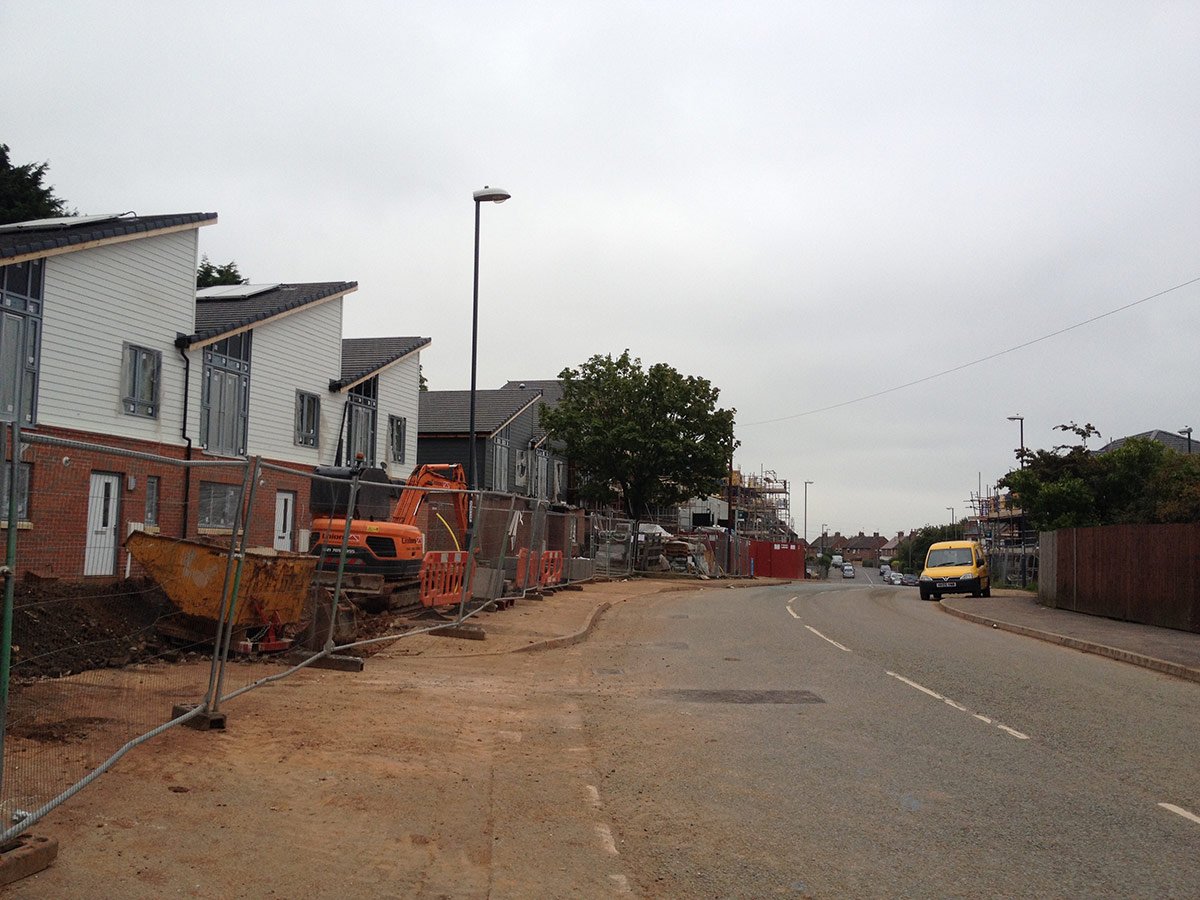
x=609 y=671
x=739 y=696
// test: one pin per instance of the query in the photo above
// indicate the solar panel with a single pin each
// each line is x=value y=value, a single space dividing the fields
x=234 y=291
x=60 y=222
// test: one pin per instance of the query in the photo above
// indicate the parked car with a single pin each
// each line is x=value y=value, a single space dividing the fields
x=885 y=572
x=847 y=571
x=909 y=579
x=896 y=578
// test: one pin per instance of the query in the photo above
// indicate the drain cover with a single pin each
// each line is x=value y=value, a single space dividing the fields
x=609 y=671
x=738 y=696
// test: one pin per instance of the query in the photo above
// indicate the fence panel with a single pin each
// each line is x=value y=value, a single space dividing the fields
x=610 y=542
x=104 y=653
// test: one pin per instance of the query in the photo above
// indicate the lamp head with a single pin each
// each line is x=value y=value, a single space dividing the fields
x=491 y=195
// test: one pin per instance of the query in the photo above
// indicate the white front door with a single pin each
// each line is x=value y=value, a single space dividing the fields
x=285 y=518
x=100 y=552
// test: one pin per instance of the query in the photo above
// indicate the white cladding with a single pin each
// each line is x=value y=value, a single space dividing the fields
x=399 y=387
x=299 y=352
x=97 y=300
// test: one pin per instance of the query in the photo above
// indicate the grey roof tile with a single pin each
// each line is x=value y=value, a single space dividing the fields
x=449 y=412
x=220 y=315
x=362 y=356
x=62 y=236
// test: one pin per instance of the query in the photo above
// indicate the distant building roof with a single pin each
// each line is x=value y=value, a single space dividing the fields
x=65 y=234
x=449 y=412
x=552 y=393
x=221 y=311
x=362 y=357
x=1170 y=439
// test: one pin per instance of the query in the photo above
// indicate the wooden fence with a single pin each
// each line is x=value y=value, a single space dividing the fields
x=1137 y=573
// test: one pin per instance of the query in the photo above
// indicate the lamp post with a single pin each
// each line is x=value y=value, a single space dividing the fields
x=487 y=195
x=1021 y=521
x=950 y=509
x=1020 y=419
x=1187 y=432
x=806 y=484
x=824 y=528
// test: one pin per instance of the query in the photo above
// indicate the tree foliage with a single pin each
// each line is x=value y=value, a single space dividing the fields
x=23 y=196
x=1141 y=482
x=210 y=275
x=911 y=552
x=643 y=437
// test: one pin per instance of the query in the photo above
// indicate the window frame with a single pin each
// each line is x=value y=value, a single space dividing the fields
x=308 y=433
x=24 y=493
x=230 y=496
x=397 y=441
x=227 y=364
x=133 y=403
x=21 y=308
x=153 y=498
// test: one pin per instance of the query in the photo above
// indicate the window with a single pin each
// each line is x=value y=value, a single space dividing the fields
x=500 y=464
x=143 y=369
x=23 y=470
x=397 y=434
x=150 y=519
x=20 y=338
x=219 y=504
x=540 y=479
x=308 y=419
x=225 y=395
x=363 y=399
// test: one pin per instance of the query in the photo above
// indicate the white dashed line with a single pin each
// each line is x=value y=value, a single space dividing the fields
x=936 y=696
x=831 y=640
x=1180 y=811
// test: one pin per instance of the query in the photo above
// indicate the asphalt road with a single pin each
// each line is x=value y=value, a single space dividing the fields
x=847 y=739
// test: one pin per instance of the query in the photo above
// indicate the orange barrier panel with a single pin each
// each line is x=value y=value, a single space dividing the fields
x=442 y=577
x=523 y=568
x=552 y=567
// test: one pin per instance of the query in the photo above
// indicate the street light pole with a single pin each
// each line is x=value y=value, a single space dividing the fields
x=1021 y=419
x=1187 y=432
x=487 y=195
x=806 y=484
x=950 y=509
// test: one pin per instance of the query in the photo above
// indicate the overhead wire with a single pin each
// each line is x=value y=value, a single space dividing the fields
x=974 y=362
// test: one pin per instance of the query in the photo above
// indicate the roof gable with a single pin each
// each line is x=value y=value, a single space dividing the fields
x=364 y=357
x=449 y=412
x=218 y=315
x=66 y=234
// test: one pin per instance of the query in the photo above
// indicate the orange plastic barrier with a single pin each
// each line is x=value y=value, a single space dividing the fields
x=442 y=577
x=552 y=568
x=523 y=568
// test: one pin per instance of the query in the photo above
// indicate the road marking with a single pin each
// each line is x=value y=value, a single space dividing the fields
x=822 y=637
x=793 y=612
x=606 y=838
x=1180 y=811
x=593 y=796
x=936 y=696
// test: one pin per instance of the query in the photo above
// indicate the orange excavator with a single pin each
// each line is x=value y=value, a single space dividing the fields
x=386 y=536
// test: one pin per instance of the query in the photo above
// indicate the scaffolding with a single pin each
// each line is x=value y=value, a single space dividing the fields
x=764 y=505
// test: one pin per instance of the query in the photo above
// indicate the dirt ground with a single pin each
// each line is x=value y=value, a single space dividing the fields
x=442 y=770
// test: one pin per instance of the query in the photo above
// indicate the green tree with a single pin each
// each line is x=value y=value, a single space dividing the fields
x=643 y=437
x=1140 y=482
x=911 y=552
x=23 y=196
x=210 y=275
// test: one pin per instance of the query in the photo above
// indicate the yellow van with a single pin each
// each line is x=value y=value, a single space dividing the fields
x=955 y=567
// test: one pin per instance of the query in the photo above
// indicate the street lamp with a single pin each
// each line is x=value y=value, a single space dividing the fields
x=806 y=484
x=824 y=528
x=1187 y=432
x=1020 y=419
x=950 y=509
x=487 y=195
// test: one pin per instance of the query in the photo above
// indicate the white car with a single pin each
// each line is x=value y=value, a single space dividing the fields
x=847 y=571
x=896 y=578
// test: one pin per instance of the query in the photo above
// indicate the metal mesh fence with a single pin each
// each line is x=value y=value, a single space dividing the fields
x=610 y=546
x=102 y=649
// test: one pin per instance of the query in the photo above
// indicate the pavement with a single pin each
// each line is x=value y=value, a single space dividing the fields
x=568 y=616
x=1161 y=649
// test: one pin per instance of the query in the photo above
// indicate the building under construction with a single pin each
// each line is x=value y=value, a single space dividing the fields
x=763 y=505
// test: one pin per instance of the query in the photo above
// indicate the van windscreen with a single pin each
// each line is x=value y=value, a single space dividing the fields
x=949 y=556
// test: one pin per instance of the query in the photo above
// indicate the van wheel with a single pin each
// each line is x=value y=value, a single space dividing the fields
x=924 y=593
x=987 y=591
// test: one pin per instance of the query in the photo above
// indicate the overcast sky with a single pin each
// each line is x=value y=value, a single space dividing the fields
x=805 y=203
